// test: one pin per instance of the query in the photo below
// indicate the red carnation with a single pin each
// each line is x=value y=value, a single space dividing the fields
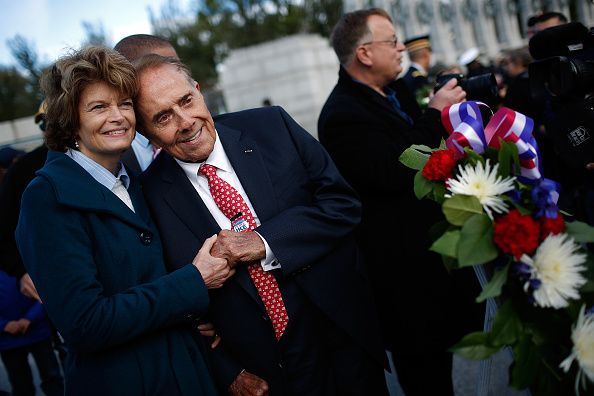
x=516 y=233
x=551 y=226
x=440 y=165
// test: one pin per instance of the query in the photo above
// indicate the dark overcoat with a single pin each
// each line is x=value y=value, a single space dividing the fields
x=99 y=269
x=422 y=306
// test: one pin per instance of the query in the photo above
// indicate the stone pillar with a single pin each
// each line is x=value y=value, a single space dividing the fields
x=462 y=28
x=442 y=37
x=405 y=21
x=483 y=26
x=526 y=11
x=585 y=12
x=505 y=11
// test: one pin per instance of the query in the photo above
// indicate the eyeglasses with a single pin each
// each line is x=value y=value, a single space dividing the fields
x=393 y=42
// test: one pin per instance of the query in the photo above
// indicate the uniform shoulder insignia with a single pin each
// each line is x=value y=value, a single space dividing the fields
x=417 y=73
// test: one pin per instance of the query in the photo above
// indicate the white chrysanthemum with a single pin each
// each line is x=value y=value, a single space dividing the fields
x=482 y=182
x=582 y=337
x=555 y=271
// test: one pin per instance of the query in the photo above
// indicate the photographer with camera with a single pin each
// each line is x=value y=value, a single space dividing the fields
x=369 y=119
x=563 y=77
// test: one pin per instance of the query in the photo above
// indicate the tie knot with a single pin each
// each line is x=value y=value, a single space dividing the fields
x=207 y=170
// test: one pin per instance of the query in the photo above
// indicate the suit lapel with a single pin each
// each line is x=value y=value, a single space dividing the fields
x=187 y=205
x=185 y=202
x=247 y=161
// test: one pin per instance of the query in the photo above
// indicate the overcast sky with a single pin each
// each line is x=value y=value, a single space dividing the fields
x=56 y=25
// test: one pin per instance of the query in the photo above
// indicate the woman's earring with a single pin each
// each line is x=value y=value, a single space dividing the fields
x=76 y=144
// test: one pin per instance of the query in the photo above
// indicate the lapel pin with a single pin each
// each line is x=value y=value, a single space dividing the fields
x=248 y=151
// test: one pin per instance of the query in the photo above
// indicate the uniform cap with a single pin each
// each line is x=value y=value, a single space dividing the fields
x=417 y=43
x=468 y=56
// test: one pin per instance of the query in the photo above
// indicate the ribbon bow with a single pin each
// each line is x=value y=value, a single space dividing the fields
x=464 y=123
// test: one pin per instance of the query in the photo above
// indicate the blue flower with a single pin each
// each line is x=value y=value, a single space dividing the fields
x=545 y=195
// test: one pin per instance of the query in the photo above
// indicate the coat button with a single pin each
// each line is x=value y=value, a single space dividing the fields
x=146 y=237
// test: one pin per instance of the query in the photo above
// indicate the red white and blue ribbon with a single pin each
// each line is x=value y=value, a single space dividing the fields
x=464 y=123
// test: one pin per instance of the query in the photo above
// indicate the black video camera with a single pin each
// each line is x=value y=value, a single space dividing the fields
x=562 y=76
x=564 y=61
x=482 y=87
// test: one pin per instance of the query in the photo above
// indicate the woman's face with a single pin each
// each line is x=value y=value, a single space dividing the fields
x=107 y=123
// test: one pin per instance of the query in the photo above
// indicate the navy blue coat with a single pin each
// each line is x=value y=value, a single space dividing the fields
x=308 y=213
x=99 y=269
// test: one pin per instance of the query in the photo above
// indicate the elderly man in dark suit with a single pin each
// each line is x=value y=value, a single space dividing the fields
x=296 y=319
x=366 y=123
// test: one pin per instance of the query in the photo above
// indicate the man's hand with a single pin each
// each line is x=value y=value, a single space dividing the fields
x=214 y=271
x=208 y=330
x=448 y=95
x=246 y=384
x=239 y=247
x=28 y=288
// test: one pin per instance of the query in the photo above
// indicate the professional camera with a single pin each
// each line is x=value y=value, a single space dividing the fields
x=482 y=87
x=562 y=78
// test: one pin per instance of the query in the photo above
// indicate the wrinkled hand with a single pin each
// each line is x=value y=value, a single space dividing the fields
x=239 y=247
x=214 y=271
x=208 y=330
x=246 y=384
x=28 y=288
x=448 y=95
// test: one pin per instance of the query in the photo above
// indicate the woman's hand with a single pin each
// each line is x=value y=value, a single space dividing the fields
x=208 y=330
x=214 y=271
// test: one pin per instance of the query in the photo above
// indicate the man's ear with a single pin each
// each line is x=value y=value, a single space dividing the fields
x=364 y=55
x=197 y=85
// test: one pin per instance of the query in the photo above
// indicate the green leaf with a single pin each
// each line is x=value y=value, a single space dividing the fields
x=449 y=263
x=473 y=157
x=581 y=232
x=447 y=244
x=525 y=366
x=523 y=211
x=475 y=346
x=476 y=241
x=507 y=326
x=459 y=208
x=493 y=288
x=413 y=158
x=422 y=148
x=422 y=186
x=442 y=145
x=508 y=153
x=438 y=192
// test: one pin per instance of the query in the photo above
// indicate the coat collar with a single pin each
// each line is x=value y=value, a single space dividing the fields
x=75 y=187
x=346 y=82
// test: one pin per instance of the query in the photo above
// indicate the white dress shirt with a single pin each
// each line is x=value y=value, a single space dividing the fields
x=117 y=184
x=218 y=158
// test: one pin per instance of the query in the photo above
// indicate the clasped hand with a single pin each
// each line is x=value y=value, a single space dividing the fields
x=238 y=247
x=220 y=254
x=215 y=271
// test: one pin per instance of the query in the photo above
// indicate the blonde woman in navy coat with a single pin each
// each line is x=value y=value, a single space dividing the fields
x=93 y=252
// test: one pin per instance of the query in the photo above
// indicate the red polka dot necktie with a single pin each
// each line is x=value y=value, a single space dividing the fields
x=232 y=204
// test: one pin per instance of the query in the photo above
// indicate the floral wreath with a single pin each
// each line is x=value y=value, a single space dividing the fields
x=501 y=217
